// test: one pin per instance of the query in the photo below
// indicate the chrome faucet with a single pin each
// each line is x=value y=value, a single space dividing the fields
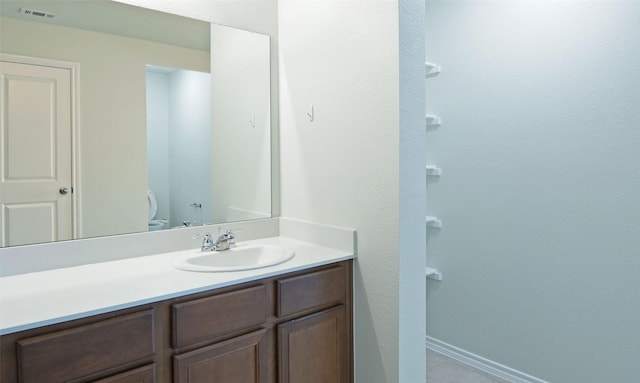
x=225 y=241
x=207 y=242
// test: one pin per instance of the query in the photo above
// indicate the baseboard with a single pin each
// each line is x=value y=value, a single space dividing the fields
x=485 y=365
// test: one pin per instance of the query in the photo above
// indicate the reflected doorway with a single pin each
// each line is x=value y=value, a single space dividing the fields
x=36 y=185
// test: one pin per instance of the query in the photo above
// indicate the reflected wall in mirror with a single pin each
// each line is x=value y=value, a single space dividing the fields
x=113 y=45
x=240 y=183
x=178 y=147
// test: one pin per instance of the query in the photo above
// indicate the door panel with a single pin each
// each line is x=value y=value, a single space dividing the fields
x=239 y=360
x=29 y=223
x=314 y=349
x=35 y=154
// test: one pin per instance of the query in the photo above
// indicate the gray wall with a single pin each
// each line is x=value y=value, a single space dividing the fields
x=412 y=234
x=540 y=148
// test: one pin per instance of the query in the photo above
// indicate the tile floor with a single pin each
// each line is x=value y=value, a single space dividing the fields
x=441 y=369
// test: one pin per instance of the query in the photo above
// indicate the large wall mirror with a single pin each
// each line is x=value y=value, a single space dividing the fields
x=169 y=121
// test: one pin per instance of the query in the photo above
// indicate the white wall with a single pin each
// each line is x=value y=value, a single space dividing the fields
x=343 y=168
x=539 y=196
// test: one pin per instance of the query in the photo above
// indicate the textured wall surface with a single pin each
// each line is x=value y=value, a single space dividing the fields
x=539 y=196
x=412 y=234
x=342 y=168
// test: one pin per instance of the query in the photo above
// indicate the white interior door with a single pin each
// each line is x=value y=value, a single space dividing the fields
x=35 y=154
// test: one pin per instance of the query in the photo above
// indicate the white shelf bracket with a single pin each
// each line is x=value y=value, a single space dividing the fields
x=432 y=121
x=431 y=69
x=433 y=170
x=433 y=274
x=433 y=222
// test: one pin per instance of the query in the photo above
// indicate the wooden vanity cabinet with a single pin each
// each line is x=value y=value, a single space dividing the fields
x=291 y=328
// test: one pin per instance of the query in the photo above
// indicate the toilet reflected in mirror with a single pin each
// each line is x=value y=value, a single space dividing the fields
x=154 y=223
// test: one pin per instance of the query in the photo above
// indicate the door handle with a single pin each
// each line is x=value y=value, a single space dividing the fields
x=64 y=190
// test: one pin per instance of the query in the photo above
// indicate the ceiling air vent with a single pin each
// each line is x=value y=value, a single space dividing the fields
x=36 y=13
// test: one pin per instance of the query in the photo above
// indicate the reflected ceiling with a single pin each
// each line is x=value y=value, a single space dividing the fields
x=114 y=18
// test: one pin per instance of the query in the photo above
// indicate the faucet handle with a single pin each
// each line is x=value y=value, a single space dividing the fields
x=229 y=236
x=207 y=243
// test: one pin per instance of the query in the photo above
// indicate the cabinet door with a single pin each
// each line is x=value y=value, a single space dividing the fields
x=239 y=360
x=314 y=349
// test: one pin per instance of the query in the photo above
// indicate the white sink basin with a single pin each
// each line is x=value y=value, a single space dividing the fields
x=243 y=257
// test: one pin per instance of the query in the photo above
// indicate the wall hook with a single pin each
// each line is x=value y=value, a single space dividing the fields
x=311 y=115
x=253 y=121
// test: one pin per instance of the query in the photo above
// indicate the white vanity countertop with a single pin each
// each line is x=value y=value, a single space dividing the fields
x=47 y=297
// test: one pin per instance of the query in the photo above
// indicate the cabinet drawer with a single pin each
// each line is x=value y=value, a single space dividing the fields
x=311 y=291
x=70 y=354
x=207 y=318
